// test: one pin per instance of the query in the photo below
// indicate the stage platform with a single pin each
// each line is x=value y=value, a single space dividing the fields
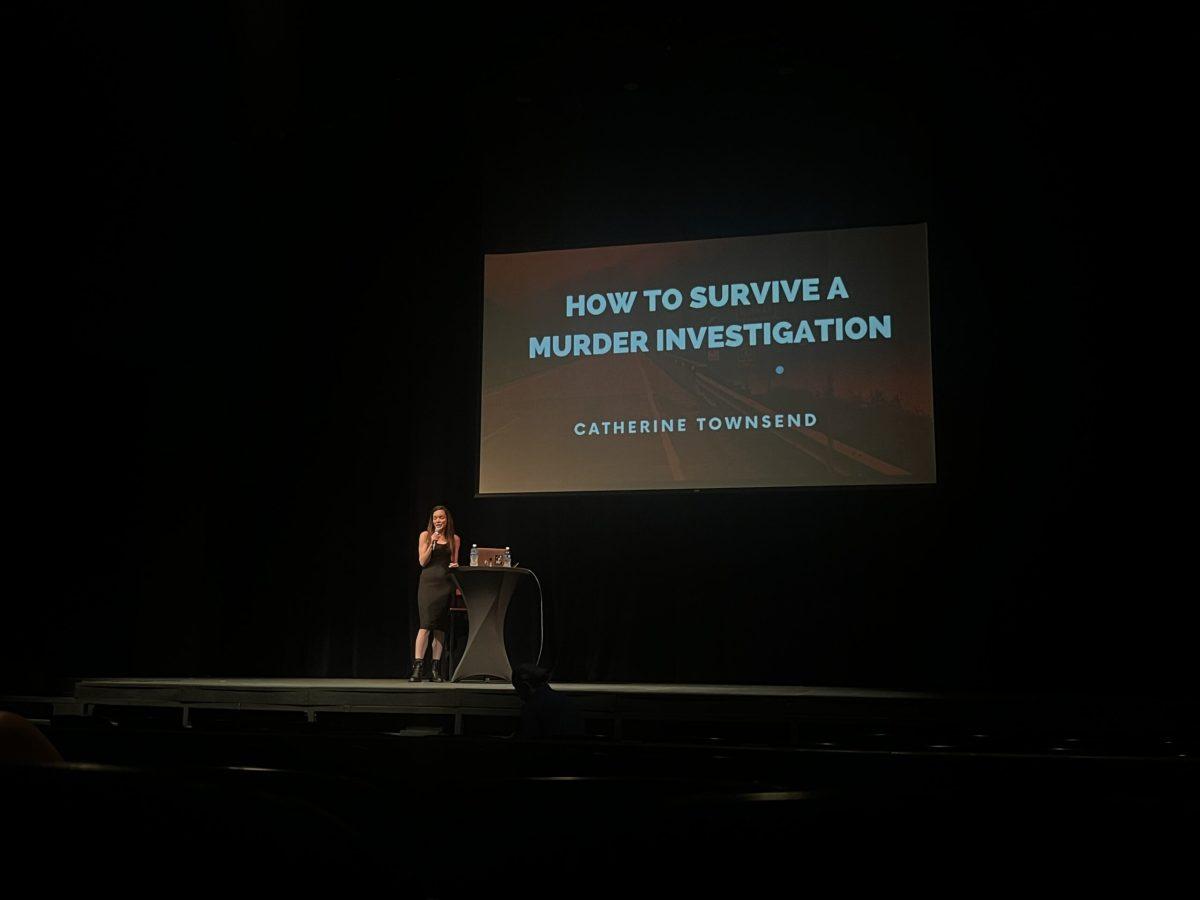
x=368 y=774
x=847 y=717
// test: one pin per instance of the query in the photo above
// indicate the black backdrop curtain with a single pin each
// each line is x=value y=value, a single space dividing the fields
x=256 y=361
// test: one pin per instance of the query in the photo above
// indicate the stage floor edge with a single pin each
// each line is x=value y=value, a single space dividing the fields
x=374 y=699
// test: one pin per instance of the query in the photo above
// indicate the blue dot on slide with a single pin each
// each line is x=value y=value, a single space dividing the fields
x=779 y=370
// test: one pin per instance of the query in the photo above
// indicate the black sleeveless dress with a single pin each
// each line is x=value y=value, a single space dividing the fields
x=436 y=590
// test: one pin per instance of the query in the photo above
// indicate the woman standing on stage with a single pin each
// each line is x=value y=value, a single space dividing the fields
x=437 y=551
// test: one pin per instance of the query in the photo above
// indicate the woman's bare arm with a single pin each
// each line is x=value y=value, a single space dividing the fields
x=425 y=547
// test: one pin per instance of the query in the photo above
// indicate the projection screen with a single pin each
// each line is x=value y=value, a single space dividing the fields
x=782 y=360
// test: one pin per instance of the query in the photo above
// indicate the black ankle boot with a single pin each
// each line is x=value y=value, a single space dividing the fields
x=418 y=664
x=435 y=671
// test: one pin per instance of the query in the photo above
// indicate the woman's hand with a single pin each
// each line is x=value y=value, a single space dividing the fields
x=453 y=566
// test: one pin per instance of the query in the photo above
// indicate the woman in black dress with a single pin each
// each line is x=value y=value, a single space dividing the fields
x=437 y=551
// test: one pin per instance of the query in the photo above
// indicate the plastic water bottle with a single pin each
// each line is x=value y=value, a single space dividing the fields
x=508 y=557
x=474 y=554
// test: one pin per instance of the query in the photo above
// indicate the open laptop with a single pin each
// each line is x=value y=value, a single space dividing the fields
x=490 y=556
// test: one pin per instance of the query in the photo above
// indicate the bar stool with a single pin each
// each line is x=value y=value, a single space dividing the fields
x=458 y=613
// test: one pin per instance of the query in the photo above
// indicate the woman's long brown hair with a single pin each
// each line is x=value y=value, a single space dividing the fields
x=449 y=532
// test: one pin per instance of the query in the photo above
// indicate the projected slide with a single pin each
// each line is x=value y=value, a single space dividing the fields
x=772 y=361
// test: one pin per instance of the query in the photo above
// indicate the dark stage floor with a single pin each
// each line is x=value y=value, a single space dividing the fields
x=828 y=718
x=708 y=789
